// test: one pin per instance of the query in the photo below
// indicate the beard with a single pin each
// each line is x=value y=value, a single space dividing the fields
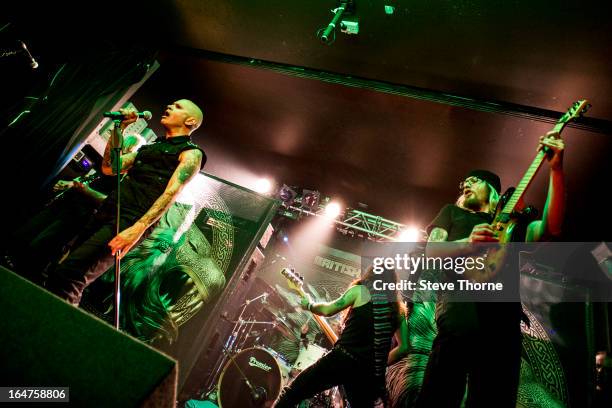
x=471 y=202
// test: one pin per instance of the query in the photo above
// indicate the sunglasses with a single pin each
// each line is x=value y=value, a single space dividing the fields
x=469 y=182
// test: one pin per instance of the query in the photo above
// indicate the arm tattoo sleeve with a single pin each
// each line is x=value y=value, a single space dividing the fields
x=340 y=302
x=127 y=161
x=187 y=168
x=438 y=235
x=106 y=161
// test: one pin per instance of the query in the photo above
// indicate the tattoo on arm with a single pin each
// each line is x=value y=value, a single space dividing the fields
x=127 y=161
x=340 y=303
x=438 y=235
x=106 y=160
x=187 y=168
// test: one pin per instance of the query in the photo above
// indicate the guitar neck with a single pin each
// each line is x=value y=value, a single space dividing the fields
x=327 y=329
x=324 y=325
x=522 y=186
x=295 y=282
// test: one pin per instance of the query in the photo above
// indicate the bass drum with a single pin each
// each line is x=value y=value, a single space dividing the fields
x=264 y=371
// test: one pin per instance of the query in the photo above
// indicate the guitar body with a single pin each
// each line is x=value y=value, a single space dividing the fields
x=496 y=256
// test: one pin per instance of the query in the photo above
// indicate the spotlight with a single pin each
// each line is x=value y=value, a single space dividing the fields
x=287 y=195
x=310 y=200
x=409 y=234
x=262 y=185
x=285 y=239
x=333 y=209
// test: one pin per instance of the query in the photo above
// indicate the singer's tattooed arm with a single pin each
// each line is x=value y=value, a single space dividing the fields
x=127 y=161
x=189 y=165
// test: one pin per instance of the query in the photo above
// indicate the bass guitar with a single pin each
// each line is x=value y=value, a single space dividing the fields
x=295 y=282
x=507 y=214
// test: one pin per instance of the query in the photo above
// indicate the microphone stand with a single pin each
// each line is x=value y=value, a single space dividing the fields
x=116 y=151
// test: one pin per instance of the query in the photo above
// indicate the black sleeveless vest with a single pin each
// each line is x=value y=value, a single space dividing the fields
x=147 y=179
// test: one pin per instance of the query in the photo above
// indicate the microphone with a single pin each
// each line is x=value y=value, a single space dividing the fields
x=33 y=62
x=120 y=116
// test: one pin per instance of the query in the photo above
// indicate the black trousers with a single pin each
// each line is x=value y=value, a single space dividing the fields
x=333 y=369
x=488 y=361
x=42 y=239
x=89 y=259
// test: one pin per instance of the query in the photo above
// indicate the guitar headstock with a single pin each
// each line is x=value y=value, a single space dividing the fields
x=577 y=109
x=295 y=281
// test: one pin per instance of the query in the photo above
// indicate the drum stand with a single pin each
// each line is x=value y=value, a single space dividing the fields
x=234 y=344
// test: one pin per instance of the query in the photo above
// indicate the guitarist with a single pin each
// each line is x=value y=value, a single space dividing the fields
x=45 y=236
x=480 y=343
x=359 y=358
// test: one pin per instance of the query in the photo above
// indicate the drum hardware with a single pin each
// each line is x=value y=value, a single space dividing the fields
x=235 y=342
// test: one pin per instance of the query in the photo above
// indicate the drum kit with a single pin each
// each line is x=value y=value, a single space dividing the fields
x=254 y=375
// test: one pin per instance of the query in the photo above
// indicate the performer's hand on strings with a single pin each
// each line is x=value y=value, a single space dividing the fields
x=126 y=239
x=483 y=233
x=555 y=145
x=77 y=185
x=62 y=185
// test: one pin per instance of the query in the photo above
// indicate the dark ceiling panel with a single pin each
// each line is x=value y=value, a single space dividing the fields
x=543 y=54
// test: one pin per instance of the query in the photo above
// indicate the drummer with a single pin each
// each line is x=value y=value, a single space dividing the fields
x=359 y=358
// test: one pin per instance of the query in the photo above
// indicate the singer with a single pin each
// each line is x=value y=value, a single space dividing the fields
x=155 y=176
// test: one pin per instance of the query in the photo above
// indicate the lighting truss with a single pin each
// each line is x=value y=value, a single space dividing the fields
x=354 y=222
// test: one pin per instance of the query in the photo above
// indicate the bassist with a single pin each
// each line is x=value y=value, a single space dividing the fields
x=359 y=358
x=479 y=344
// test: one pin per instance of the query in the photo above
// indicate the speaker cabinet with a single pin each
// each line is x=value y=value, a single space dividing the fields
x=45 y=342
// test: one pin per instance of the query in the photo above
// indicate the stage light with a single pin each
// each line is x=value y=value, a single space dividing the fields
x=285 y=239
x=287 y=195
x=409 y=234
x=310 y=200
x=263 y=185
x=333 y=209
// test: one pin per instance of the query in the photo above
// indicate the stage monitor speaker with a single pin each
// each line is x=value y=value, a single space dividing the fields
x=45 y=342
x=569 y=327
